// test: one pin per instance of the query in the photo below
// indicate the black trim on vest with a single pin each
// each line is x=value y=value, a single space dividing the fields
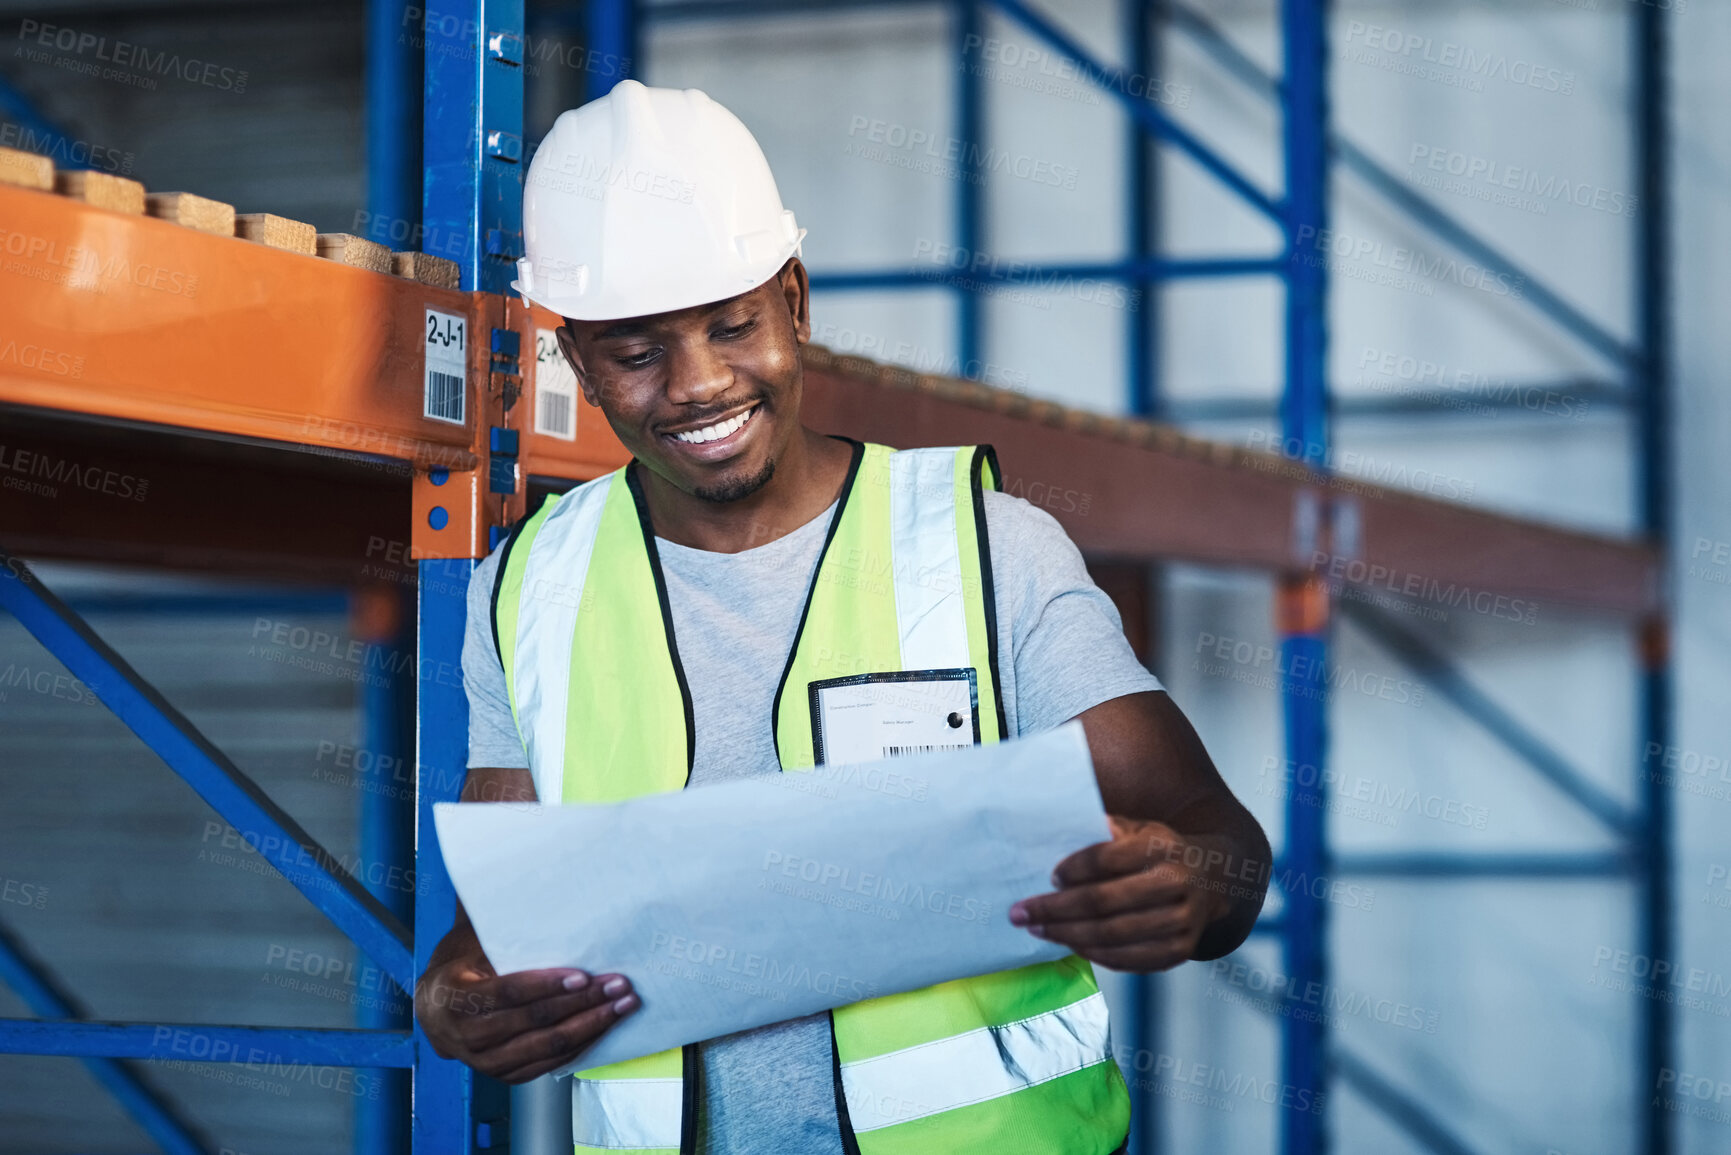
x=648 y=528
x=988 y=591
x=690 y=1072
x=499 y=581
x=829 y=536
x=849 y=1141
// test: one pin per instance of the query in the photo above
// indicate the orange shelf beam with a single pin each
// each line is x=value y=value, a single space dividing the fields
x=141 y=321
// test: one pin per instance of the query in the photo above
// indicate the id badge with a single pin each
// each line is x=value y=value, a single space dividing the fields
x=869 y=717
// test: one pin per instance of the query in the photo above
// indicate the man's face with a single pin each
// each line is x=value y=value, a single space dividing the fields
x=706 y=397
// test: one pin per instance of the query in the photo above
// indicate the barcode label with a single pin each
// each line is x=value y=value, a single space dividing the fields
x=898 y=751
x=555 y=389
x=444 y=395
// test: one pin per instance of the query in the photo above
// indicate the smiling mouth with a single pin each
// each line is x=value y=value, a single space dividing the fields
x=718 y=431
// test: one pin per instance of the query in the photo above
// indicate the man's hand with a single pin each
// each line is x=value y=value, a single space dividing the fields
x=518 y=1026
x=1131 y=904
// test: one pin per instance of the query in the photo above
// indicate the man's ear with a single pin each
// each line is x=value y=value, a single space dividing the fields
x=796 y=289
x=568 y=346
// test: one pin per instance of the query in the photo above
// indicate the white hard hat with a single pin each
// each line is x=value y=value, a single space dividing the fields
x=649 y=200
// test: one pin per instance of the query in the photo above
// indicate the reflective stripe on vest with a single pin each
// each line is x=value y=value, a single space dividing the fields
x=626 y=1114
x=1005 y=1062
x=541 y=703
x=927 y=567
x=958 y=1071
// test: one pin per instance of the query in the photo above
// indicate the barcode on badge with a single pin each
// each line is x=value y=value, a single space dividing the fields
x=444 y=395
x=899 y=751
x=555 y=389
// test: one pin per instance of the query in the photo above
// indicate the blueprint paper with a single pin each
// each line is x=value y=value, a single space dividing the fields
x=754 y=901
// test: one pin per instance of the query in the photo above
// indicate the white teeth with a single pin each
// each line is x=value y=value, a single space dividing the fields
x=714 y=432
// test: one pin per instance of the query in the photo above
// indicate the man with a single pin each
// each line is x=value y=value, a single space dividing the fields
x=659 y=628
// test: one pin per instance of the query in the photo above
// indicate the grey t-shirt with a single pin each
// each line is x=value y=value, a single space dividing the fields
x=1061 y=650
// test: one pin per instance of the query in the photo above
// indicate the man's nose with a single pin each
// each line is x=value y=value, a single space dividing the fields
x=697 y=373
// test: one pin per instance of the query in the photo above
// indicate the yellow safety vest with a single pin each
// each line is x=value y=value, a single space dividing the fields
x=1017 y=1061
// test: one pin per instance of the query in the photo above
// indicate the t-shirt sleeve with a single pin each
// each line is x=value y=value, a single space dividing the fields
x=493 y=737
x=1065 y=639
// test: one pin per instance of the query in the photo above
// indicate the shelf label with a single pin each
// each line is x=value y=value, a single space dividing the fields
x=447 y=367
x=555 y=389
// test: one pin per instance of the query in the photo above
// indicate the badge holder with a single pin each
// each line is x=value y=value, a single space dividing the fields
x=868 y=717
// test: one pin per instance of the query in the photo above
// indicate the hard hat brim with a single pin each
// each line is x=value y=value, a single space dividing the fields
x=685 y=294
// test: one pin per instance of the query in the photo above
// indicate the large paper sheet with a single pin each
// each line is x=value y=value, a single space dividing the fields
x=751 y=902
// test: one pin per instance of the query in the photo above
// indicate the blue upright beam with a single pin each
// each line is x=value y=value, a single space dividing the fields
x=393 y=123
x=393 y=139
x=967 y=27
x=444 y=1088
x=612 y=30
x=387 y=837
x=149 y=1108
x=1113 y=80
x=1304 y=1043
x=1142 y=224
x=1304 y=408
x=472 y=137
x=472 y=190
x=294 y=853
x=1304 y=424
x=1653 y=324
x=1141 y=355
x=1447 y=680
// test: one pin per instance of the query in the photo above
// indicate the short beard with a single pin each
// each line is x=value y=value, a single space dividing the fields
x=735 y=490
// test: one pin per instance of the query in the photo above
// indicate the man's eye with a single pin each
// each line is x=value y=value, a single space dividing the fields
x=638 y=360
x=729 y=332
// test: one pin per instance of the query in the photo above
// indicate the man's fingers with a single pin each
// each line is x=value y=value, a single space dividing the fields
x=1091 y=863
x=1163 y=885
x=520 y=987
x=1125 y=854
x=493 y=1027
x=1138 y=927
x=537 y=1052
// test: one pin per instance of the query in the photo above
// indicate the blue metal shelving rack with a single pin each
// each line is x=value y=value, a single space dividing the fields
x=470 y=69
